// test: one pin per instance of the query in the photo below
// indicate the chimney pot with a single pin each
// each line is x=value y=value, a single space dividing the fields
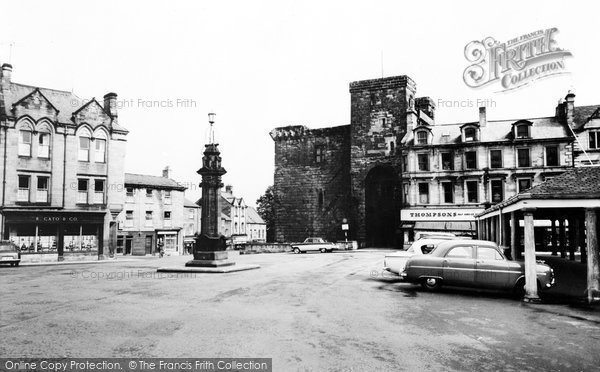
x=229 y=189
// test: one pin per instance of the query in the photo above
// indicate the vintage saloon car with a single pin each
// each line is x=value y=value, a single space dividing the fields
x=313 y=244
x=472 y=263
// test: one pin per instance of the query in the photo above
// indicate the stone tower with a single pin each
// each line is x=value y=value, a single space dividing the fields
x=382 y=110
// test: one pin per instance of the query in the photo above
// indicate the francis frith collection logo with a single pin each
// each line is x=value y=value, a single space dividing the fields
x=516 y=62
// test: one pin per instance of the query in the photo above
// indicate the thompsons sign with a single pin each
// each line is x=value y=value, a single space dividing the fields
x=439 y=214
x=516 y=62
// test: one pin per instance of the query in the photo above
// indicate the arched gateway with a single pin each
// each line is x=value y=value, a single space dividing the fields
x=382 y=206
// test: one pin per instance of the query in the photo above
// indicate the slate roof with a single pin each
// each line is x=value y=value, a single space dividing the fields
x=187 y=203
x=156 y=182
x=65 y=102
x=582 y=115
x=253 y=216
x=493 y=131
x=576 y=183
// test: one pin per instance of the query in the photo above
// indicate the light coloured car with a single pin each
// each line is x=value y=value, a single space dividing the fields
x=395 y=262
x=472 y=263
x=313 y=244
x=9 y=253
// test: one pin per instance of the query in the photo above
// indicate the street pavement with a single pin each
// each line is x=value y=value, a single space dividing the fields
x=309 y=312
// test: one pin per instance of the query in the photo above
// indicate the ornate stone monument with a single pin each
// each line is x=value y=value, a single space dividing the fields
x=210 y=248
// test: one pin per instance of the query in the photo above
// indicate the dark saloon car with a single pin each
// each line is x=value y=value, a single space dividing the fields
x=472 y=263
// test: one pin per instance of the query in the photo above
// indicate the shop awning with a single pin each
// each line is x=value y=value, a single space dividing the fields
x=445 y=225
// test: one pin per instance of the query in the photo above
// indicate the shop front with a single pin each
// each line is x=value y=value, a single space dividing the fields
x=417 y=222
x=55 y=235
x=169 y=240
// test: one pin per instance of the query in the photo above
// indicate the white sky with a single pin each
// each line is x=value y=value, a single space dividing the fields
x=263 y=64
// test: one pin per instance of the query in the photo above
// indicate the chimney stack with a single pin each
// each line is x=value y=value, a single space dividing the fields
x=6 y=74
x=482 y=117
x=569 y=108
x=166 y=173
x=110 y=104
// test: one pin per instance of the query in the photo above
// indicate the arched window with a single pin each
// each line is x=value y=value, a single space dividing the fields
x=421 y=138
x=470 y=134
x=25 y=139
x=100 y=147
x=84 y=145
x=43 y=150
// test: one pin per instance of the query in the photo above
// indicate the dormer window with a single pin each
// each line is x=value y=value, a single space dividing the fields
x=422 y=138
x=522 y=131
x=470 y=134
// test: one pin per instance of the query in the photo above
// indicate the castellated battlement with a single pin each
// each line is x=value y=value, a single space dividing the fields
x=393 y=82
x=301 y=131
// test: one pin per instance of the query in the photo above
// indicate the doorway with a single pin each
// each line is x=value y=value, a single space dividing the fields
x=382 y=213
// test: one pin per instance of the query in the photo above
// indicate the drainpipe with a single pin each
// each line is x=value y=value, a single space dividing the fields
x=64 y=167
x=4 y=180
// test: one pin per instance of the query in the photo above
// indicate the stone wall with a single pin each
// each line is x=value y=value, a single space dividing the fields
x=311 y=182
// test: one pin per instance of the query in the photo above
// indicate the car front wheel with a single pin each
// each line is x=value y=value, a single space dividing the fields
x=431 y=284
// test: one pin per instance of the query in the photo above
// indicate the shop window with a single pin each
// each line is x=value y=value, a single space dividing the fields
x=100 y=155
x=497 y=187
x=424 y=193
x=319 y=154
x=448 y=192
x=594 y=139
x=24 y=143
x=423 y=160
x=523 y=158
x=128 y=218
x=82 y=191
x=80 y=238
x=495 y=158
x=98 y=191
x=167 y=196
x=471 y=159
x=23 y=192
x=447 y=161
x=422 y=137
x=84 y=149
x=472 y=192
x=42 y=190
x=523 y=184
x=43 y=145
x=148 y=222
x=552 y=156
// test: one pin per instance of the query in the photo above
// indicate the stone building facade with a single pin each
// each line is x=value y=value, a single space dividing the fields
x=153 y=216
x=394 y=169
x=61 y=168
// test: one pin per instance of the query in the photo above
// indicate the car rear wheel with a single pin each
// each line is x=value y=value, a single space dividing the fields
x=323 y=250
x=431 y=284
x=296 y=250
x=519 y=289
